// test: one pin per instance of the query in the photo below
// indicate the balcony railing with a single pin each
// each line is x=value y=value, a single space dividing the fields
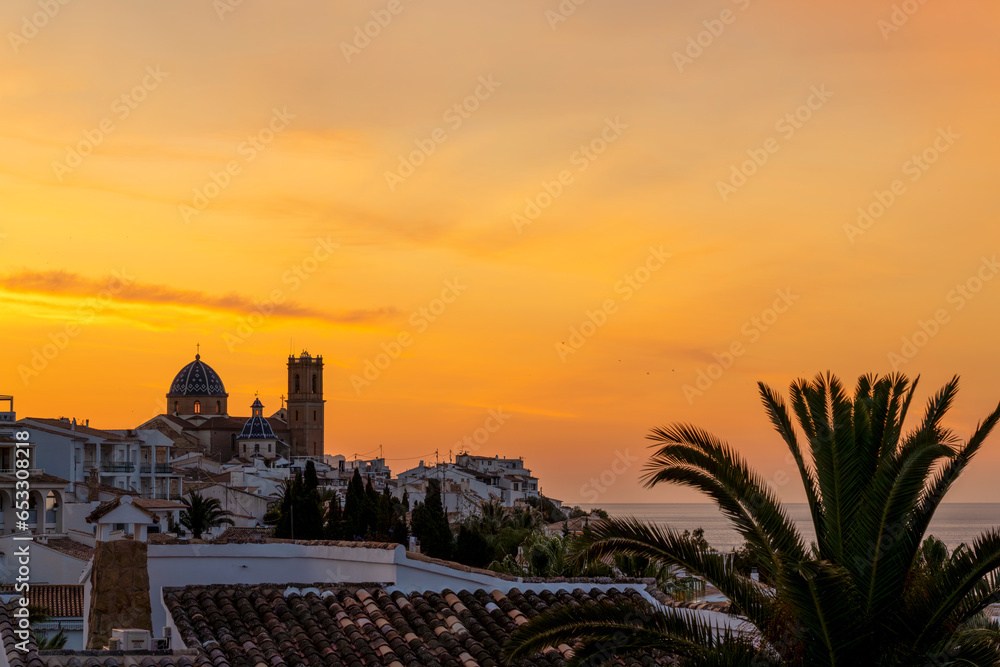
x=117 y=467
x=158 y=467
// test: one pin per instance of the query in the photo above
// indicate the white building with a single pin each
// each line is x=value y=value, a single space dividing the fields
x=470 y=480
x=510 y=475
x=247 y=509
x=132 y=460
x=46 y=493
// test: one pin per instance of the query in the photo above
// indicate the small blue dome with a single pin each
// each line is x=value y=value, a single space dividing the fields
x=197 y=379
x=257 y=428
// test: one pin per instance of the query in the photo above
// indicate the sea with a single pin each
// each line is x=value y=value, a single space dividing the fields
x=953 y=523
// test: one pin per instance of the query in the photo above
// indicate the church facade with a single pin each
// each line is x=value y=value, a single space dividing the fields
x=198 y=416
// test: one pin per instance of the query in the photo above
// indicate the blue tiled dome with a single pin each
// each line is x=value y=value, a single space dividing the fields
x=197 y=379
x=257 y=428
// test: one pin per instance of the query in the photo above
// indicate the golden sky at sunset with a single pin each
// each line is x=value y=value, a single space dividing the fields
x=688 y=173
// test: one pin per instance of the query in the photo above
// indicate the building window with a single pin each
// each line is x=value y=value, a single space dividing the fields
x=177 y=405
x=197 y=407
x=314 y=415
x=232 y=442
x=218 y=407
x=296 y=415
x=268 y=448
x=256 y=447
x=296 y=382
x=314 y=383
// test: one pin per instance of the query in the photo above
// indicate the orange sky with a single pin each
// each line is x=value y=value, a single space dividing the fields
x=300 y=120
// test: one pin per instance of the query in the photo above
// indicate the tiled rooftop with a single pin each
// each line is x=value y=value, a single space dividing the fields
x=362 y=625
x=237 y=534
x=109 y=505
x=157 y=503
x=67 y=658
x=80 y=428
x=70 y=547
x=38 y=479
x=60 y=600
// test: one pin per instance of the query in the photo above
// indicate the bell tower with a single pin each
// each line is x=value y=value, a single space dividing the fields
x=305 y=404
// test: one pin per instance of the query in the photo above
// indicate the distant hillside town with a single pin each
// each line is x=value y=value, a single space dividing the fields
x=199 y=496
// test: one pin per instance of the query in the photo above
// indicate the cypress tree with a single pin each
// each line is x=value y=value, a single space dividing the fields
x=430 y=524
x=384 y=516
x=354 y=507
x=311 y=480
x=400 y=534
x=335 y=525
x=370 y=509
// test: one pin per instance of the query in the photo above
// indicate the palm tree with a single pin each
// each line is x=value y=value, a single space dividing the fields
x=203 y=514
x=866 y=592
x=41 y=614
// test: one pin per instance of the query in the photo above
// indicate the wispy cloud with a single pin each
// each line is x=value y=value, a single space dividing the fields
x=64 y=283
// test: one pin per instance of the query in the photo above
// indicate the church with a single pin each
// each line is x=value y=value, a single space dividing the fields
x=198 y=419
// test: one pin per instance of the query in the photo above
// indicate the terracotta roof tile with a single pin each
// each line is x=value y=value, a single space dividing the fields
x=39 y=478
x=61 y=600
x=80 y=428
x=157 y=503
x=363 y=625
x=238 y=535
x=70 y=547
x=109 y=505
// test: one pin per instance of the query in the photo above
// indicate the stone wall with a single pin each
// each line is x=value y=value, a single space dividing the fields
x=119 y=596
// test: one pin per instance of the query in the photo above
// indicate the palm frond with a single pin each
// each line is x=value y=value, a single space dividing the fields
x=611 y=630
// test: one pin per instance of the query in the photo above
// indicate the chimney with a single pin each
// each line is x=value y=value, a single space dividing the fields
x=119 y=594
x=87 y=423
x=74 y=423
x=92 y=482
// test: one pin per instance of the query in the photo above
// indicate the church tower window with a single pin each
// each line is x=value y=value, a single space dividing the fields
x=197 y=407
